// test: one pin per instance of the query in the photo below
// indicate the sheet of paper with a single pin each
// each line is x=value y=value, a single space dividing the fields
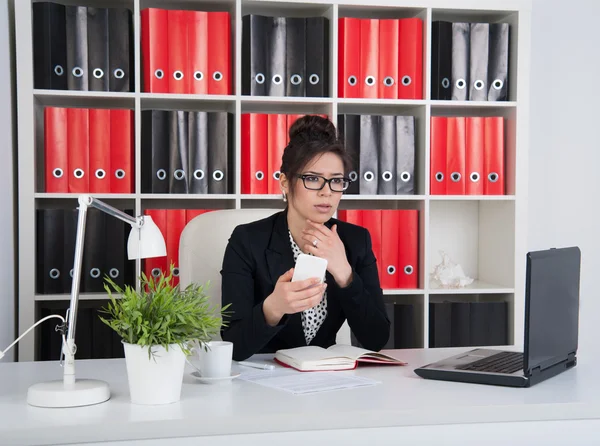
x=300 y=383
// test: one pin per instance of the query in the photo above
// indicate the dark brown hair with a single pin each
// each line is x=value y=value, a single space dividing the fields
x=310 y=136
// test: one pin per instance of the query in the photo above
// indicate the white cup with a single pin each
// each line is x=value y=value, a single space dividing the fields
x=214 y=360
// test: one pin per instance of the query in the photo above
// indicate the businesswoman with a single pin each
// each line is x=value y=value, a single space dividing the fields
x=269 y=312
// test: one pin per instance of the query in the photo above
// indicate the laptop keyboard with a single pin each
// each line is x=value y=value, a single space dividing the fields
x=503 y=362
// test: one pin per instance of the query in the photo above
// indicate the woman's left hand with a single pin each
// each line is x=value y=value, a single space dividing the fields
x=325 y=243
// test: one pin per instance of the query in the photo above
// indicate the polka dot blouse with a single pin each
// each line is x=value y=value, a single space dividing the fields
x=313 y=317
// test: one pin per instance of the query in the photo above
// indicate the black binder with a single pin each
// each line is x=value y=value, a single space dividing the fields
x=120 y=50
x=97 y=37
x=69 y=238
x=49 y=46
x=317 y=57
x=349 y=128
x=77 y=47
x=295 y=68
x=276 y=58
x=178 y=152
x=498 y=62
x=49 y=244
x=460 y=61
x=94 y=261
x=198 y=132
x=478 y=61
x=441 y=60
x=405 y=155
x=386 y=157
x=155 y=151
x=117 y=265
x=254 y=56
x=219 y=139
x=369 y=138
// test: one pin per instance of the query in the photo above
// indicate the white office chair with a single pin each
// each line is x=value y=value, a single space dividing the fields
x=202 y=246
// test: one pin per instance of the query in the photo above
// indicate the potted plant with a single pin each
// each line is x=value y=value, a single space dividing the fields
x=158 y=326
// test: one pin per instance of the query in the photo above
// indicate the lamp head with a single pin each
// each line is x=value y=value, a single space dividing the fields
x=145 y=240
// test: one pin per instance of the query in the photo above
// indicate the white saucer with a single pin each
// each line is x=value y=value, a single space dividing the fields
x=207 y=380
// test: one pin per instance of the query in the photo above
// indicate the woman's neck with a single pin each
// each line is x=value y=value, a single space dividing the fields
x=296 y=223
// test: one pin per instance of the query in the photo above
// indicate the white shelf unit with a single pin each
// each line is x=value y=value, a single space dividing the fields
x=485 y=234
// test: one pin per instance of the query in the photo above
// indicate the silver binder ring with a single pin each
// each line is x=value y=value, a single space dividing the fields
x=370 y=80
x=314 y=79
x=57 y=173
x=218 y=175
x=408 y=269
x=352 y=81
x=198 y=75
x=100 y=173
x=98 y=73
x=156 y=272
x=176 y=271
x=439 y=177
x=78 y=173
x=405 y=176
x=296 y=79
x=455 y=177
x=54 y=273
x=198 y=174
x=161 y=174
x=474 y=177
x=387 y=176
x=95 y=273
x=497 y=84
x=353 y=176
x=218 y=76
x=119 y=73
x=277 y=79
x=493 y=177
x=388 y=81
x=369 y=176
x=391 y=270
x=259 y=78
x=406 y=80
x=445 y=83
x=478 y=84
x=276 y=175
x=113 y=273
x=259 y=175
x=177 y=75
x=461 y=84
x=59 y=70
x=159 y=74
x=179 y=174
x=120 y=174
x=77 y=71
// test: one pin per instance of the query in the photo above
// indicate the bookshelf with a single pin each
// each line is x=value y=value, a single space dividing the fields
x=486 y=234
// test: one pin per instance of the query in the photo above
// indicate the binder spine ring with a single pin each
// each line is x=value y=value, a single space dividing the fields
x=159 y=74
x=176 y=271
x=98 y=73
x=218 y=175
x=198 y=174
x=370 y=80
x=387 y=176
x=218 y=76
x=113 y=273
x=296 y=79
x=57 y=173
x=119 y=73
x=276 y=175
x=54 y=273
x=406 y=80
x=314 y=79
x=100 y=173
x=474 y=177
x=259 y=175
x=498 y=84
x=177 y=75
x=179 y=174
x=259 y=78
x=77 y=71
x=391 y=270
x=353 y=176
x=161 y=174
x=120 y=174
x=408 y=269
x=198 y=75
x=95 y=273
x=369 y=176
x=277 y=79
x=493 y=177
x=405 y=176
x=59 y=70
x=388 y=81
x=78 y=173
x=352 y=81
x=479 y=84
x=71 y=273
x=446 y=83
x=455 y=176
x=461 y=84
x=156 y=272
x=439 y=177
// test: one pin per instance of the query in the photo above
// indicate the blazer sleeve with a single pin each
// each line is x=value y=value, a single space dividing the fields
x=246 y=326
x=362 y=301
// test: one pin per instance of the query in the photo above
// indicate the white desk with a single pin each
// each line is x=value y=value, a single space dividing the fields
x=404 y=409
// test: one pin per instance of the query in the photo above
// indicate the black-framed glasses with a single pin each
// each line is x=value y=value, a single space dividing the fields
x=317 y=182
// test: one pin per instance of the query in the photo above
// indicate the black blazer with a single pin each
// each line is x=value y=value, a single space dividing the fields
x=258 y=253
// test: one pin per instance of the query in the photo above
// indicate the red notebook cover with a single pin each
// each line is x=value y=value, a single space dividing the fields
x=56 y=150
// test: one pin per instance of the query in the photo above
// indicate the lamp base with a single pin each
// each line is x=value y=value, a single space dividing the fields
x=83 y=392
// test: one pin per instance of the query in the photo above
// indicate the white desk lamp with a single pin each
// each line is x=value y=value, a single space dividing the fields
x=145 y=240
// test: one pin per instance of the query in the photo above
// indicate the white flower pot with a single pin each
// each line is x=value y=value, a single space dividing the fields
x=156 y=379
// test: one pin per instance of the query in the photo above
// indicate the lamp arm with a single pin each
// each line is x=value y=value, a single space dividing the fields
x=87 y=200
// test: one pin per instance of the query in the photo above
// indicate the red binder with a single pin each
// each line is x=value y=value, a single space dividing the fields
x=348 y=57
x=437 y=175
x=277 y=140
x=388 y=59
x=474 y=155
x=369 y=58
x=198 y=51
x=408 y=254
x=371 y=220
x=155 y=50
x=176 y=221
x=494 y=182
x=156 y=264
x=455 y=162
x=56 y=150
x=78 y=150
x=390 y=249
x=219 y=53
x=353 y=216
x=99 y=150
x=410 y=59
x=121 y=151
x=254 y=153
x=178 y=51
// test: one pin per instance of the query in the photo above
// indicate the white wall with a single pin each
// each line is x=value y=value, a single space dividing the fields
x=7 y=203
x=564 y=160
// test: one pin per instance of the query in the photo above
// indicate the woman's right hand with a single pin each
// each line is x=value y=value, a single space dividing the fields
x=292 y=297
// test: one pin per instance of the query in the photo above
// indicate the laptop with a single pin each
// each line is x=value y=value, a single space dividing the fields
x=551 y=330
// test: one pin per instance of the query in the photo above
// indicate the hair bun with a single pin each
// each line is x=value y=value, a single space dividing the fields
x=313 y=128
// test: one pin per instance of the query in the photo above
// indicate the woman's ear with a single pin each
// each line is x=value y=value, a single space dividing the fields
x=284 y=184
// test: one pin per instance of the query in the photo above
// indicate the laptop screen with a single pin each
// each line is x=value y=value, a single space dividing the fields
x=552 y=306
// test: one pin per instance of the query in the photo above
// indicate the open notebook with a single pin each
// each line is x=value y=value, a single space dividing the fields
x=336 y=357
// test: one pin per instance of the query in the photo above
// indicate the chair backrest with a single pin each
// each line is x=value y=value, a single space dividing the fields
x=202 y=246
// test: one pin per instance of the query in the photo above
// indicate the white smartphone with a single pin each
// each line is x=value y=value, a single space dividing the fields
x=308 y=266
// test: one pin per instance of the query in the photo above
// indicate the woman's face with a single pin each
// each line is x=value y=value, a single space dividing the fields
x=316 y=205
